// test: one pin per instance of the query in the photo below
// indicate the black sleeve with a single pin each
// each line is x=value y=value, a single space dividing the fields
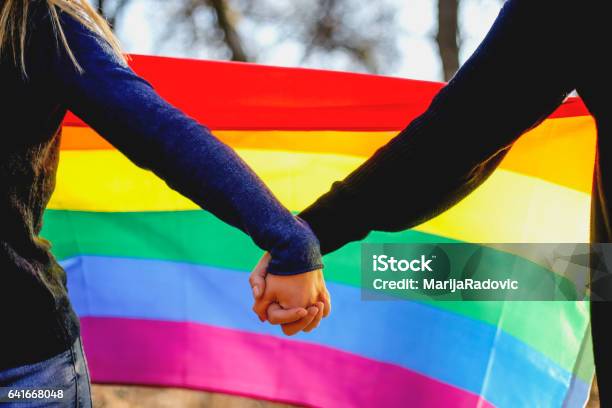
x=518 y=76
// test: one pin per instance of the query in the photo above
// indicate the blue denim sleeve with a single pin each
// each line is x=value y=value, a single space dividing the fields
x=127 y=111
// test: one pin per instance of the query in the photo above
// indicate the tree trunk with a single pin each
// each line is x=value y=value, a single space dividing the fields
x=230 y=34
x=447 y=37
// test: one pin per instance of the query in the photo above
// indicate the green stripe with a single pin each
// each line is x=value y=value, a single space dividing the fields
x=554 y=328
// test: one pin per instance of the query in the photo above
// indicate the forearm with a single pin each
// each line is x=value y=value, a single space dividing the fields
x=196 y=164
x=407 y=182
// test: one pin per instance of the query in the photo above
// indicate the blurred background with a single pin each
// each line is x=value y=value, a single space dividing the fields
x=418 y=39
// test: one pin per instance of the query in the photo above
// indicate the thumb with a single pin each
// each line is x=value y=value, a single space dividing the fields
x=257 y=279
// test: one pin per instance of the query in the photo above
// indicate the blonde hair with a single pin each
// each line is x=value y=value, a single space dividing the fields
x=14 y=26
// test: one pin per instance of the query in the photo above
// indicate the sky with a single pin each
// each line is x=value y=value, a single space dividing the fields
x=139 y=32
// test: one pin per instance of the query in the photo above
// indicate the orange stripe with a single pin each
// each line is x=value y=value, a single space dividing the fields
x=561 y=151
x=338 y=142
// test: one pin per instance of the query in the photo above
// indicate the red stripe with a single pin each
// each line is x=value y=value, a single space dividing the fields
x=235 y=96
x=189 y=355
x=571 y=107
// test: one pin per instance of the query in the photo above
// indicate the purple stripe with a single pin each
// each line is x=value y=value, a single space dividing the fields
x=190 y=355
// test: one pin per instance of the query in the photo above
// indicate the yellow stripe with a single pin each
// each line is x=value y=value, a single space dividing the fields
x=106 y=181
x=509 y=207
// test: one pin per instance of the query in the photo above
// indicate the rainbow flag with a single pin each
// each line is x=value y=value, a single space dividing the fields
x=161 y=286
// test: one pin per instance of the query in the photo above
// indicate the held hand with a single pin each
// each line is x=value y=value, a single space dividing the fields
x=296 y=302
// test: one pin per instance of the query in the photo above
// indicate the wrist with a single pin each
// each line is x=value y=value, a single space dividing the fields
x=299 y=252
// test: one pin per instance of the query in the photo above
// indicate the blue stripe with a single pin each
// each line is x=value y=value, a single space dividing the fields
x=458 y=350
